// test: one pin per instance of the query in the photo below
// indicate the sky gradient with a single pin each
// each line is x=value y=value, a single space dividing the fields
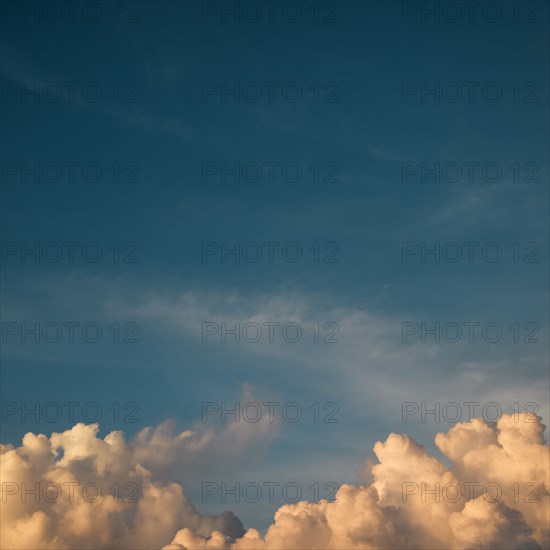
x=361 y=188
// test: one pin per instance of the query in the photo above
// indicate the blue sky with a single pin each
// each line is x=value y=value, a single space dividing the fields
x=363 y=59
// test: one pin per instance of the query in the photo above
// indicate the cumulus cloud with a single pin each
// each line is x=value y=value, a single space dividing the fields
x=415 y=501
x=493 y=494
x=77 y=490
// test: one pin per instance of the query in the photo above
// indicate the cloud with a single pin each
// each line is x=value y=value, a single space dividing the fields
x=369 y=346
x=413 y=499
x=77 y=490
x=383 y=515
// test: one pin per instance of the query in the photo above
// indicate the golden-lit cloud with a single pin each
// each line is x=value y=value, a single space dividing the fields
x=492 y=494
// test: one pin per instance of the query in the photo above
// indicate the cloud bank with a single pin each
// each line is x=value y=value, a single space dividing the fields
x=492 y=494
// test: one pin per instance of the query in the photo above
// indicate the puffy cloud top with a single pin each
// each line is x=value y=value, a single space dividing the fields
x=494 y=494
